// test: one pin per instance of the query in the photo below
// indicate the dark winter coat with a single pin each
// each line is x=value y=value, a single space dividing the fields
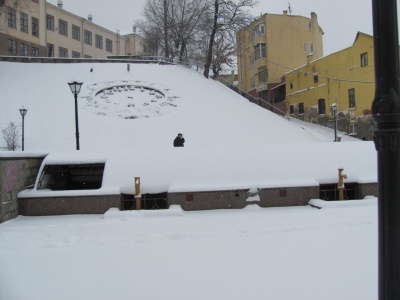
x=178 y=142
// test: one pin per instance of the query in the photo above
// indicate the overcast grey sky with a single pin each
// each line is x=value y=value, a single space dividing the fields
x=339 y=19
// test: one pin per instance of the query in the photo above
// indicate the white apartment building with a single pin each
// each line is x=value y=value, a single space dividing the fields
x=40 y=29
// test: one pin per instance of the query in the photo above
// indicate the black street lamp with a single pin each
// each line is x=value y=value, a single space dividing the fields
x=334 y=112
x=386 y=116
x=23 y=112
x=75 y=89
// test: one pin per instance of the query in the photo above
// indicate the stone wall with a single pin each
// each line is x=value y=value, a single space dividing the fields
x=67 y=205
x=294 y=196
x=16 y=173
x=367 y=189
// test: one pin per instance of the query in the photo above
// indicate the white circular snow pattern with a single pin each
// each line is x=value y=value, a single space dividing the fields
x=128 y=99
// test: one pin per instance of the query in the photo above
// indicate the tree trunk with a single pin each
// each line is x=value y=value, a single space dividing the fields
x=211 y=43
x=166 y=28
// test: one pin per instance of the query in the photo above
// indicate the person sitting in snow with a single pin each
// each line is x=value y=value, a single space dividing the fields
x=179 y=140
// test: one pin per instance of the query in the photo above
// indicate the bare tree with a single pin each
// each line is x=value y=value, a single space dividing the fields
x=228 y=17
x=171 y=24
x=12 y=4
x=11 y=136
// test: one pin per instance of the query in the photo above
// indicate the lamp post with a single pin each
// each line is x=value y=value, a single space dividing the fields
x=75 y=89
x=334 y=112
x=23 y=112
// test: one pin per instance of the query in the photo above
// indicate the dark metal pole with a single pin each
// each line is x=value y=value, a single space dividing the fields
x=386 y=116
x=23 y=130
x=335 y=119
x=76 y=121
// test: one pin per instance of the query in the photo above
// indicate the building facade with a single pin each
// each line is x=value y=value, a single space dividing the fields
x=272 y=45
x=343 y=80
x=40 y=29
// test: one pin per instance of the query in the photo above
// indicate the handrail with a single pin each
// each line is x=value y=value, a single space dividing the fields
x=242 y=93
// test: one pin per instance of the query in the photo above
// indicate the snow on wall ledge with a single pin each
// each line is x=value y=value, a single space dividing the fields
x=191 y=170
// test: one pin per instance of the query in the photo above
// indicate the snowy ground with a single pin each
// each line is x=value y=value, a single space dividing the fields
x=253 y=253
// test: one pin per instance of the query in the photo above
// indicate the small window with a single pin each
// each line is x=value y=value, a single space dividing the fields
x=87 y=37
x=315 y=77
x=35 y=27
x=35 y=51
x=291 y=85
x=109 y=45
x=12 y=17
x=321 y=107
x=71 y=177
x=305 y=47
x=50 y=22
x=76 y=32
x=364 y=59
x=12 y=46
x=312 y=48
x=352 y=98
x=301 y=108
x=24 y=49
x=63 y=27
x=99 y=41
x=24 y=22
x=50 y=50
x=310 y=25
x=76 y=54
x=62 y=52
x=291 y=109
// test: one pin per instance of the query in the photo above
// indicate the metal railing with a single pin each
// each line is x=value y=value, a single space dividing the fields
x=255 y=100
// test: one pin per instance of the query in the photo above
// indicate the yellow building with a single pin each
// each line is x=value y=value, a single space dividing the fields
x=272 y=45
x=344 y=79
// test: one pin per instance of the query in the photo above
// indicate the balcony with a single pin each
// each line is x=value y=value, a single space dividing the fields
x=262 y=86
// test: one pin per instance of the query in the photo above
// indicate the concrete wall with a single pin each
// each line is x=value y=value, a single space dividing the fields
x=50 y=206
x=295 y=196
x=15 y=174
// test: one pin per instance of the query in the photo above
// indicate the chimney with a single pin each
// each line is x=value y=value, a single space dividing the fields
x=314 y=16
x=134 y=28
x=285 y=12
x=90 y=17
x=60 y=3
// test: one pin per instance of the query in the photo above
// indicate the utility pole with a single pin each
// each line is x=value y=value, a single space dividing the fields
x=386 y=116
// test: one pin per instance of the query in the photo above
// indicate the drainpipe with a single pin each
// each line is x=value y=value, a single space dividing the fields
x=341 y=184
x=386 y=135
x=138 y=197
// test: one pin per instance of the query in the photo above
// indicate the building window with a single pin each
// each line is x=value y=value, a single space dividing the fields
x=258 y=30
x=311 y=48
x=364 y=59
x=310 y=25
x=12 y=46
x=35 y=26
x=76 y=54
x=291 y=85
x=109 y=45
x=301 y=108
x=260 y=51
x=50 y=22
x=63 y=27
x=24 y=49
x=87 y=37
x=291 y=109
x=99 y=41
x=12 y=17
x=87 y=56
x=321 y=107
x=50 y=50
x=315 y=77
x=305 y=47
x=24 y=22
x=76 y=32
x=35 y=51
x=62 y=52
x=352 y=98
x=263 y=76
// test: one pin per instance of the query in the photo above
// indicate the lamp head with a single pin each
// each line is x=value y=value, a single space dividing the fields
x=23 y=111
x=75 y=86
